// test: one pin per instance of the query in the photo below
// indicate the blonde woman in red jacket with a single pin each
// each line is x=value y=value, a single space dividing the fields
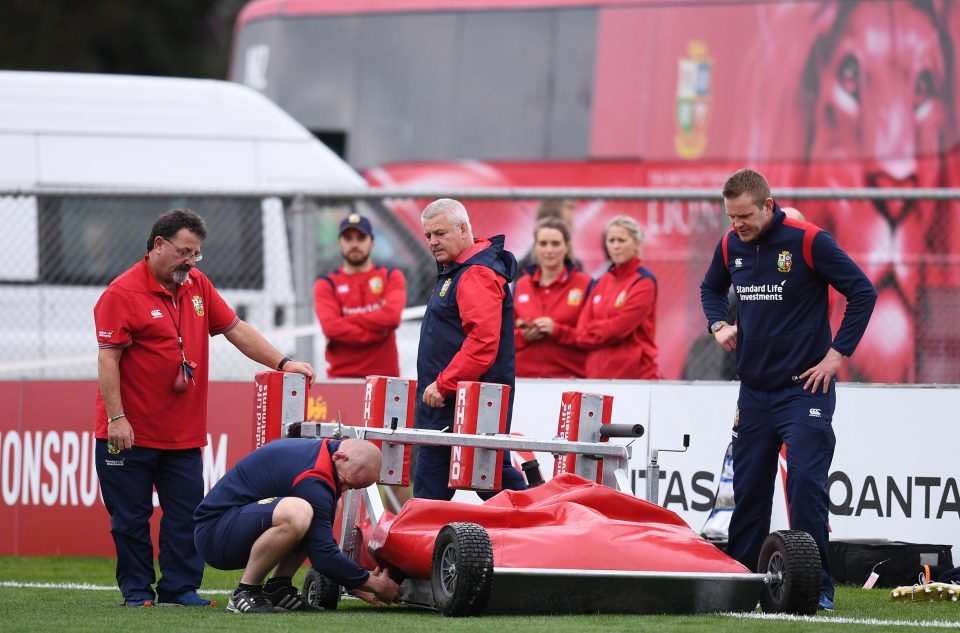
x=618 y=324
x=547 y=302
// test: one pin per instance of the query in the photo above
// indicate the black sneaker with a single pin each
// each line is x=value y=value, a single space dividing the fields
x=287 y=598
x=249 y=601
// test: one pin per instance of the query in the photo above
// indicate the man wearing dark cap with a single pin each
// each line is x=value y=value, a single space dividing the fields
x=359 y=307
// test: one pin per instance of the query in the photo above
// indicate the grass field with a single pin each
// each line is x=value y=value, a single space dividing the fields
x=29 y=603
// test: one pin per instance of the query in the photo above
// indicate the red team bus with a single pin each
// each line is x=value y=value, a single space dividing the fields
x=644 y=93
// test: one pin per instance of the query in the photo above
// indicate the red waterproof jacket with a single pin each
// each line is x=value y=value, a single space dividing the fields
x=619 y=323
x=558 y=355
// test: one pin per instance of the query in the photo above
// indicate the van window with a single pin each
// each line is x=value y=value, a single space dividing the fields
x=18 y=239
x=88 y=241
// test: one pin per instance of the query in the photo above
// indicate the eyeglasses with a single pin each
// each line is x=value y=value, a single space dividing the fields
x=185 y=253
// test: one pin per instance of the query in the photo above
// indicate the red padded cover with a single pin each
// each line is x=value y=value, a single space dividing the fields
x=567 y=523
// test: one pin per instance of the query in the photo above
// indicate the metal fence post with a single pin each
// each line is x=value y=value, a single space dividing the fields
x=303 y=254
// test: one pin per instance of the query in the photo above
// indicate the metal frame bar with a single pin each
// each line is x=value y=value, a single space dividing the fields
x=423 y=437
x=615 y=573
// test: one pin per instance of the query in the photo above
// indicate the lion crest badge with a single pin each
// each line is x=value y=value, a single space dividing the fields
x=784 y=261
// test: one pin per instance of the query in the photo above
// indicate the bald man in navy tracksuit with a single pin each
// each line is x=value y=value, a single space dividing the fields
x=781 y=270
x=277 y=506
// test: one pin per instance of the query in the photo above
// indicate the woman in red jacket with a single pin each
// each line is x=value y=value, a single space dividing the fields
x=547 y=303
x=618 y=324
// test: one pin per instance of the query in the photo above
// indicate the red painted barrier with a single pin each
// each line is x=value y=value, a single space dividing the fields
x=481 y=410
x=49 y=494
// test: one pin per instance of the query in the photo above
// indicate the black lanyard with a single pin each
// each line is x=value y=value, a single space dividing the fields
x=176 y=324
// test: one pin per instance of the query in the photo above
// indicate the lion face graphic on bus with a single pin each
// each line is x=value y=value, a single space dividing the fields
x=879 y=92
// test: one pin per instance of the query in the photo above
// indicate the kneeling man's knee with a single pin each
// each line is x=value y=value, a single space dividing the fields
x=293 y=513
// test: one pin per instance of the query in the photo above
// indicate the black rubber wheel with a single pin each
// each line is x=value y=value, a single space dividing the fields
x=792 y=557
x=462 y=574
x=320 y=591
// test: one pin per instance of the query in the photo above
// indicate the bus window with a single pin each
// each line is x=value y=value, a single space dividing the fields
x=88 y=241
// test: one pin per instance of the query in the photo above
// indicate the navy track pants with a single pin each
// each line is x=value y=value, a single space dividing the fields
x=802 y=421
x=127 y=480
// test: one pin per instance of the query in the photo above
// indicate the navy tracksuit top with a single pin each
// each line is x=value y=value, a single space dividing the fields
x=781 y=281
x=293 y=467
x=442 y=335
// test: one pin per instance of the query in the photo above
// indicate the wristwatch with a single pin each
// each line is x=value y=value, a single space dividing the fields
x=716 y=326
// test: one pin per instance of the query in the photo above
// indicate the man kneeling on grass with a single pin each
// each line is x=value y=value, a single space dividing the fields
x=274 y=509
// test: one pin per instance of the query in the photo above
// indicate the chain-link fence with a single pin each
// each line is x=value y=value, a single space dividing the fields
x=59 y=250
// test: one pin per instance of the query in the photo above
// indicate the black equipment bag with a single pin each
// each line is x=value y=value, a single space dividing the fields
x=897 y=563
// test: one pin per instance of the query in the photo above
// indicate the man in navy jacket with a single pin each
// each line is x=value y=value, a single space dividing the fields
x=781 y=270
x=466 y=334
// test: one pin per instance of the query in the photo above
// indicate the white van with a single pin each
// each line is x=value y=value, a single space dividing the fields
x=142 y=140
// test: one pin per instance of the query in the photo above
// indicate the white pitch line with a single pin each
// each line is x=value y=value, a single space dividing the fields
x=84 y=586
x=930 y=624
x=938 y=624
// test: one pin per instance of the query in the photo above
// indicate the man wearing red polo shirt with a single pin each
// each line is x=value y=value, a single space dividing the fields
x=153 y=327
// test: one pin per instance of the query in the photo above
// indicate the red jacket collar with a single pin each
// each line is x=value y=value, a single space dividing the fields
x=477 y=246
x=625 y=269
x=559 y=281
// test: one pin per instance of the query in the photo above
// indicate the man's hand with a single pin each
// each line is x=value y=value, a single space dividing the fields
x=366 y=596
x=301 y=367
x=379 y=586
x=432 y=397
x=824 y=371
x=726 y=337
x=120 y=434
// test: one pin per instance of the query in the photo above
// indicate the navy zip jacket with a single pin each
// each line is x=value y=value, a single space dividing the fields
x=442 y=333
x=782 y=281
x=294 y=467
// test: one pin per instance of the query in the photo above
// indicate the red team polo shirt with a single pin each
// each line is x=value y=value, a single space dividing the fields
x=558 y=355
x=137 y=314
x=359 y=314
x=619 y=324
